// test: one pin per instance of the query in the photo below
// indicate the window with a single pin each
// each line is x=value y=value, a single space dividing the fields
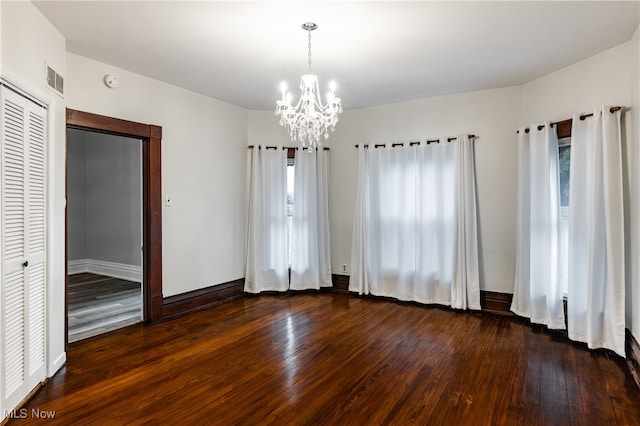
x=564 y=165
x=417 y=208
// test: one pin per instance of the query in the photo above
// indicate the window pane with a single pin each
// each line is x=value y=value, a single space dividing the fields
x=564 y=157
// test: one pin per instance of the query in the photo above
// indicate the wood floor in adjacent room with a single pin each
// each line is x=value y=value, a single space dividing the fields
x=329 y=358
x=99 y=304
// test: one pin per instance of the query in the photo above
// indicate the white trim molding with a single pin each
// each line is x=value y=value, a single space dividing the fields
x=109 y=269
x=57 y=364
x=77 y=266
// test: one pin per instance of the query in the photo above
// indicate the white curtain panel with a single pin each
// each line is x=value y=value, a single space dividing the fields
x=267 y=268
x=465 y=290
x=311 y=259
x=359 y=280
x=415 y=234
x=538 y=281
x=596 y=292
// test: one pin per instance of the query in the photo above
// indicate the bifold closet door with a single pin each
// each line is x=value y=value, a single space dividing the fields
x=23 y=359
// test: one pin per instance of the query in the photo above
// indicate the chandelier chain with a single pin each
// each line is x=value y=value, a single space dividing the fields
x=309 y=50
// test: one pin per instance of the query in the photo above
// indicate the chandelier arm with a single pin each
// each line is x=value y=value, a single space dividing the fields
x=297 y=107
x=318 y=99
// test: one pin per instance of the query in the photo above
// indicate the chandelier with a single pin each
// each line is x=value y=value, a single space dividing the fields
x=309 y=121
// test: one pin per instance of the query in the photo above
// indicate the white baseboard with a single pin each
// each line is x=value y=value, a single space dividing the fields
x=108 y=269
x=77 y=266
x=57 y=364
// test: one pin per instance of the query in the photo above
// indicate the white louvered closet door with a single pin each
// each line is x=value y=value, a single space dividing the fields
x=23 y=247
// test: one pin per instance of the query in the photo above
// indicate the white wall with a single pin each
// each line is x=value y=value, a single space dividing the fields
x=28 y=42
x=203 y=168
x=76 y=196
x=608 y=78
x=599 y=80
x=114 y=199
x=493 y=115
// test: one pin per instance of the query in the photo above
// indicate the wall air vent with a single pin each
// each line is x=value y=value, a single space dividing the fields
x=55 y=80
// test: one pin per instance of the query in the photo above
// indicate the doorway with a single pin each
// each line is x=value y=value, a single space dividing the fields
x=151 y=256
x=104 y=232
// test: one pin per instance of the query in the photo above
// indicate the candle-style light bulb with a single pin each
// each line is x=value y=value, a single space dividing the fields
x=283 y=89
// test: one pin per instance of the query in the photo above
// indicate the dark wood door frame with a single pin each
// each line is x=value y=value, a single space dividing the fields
x=151 y=137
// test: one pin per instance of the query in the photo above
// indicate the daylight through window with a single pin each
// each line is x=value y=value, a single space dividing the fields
x=564 y=164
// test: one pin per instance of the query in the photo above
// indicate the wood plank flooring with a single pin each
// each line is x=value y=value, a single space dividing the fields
x=336 y=359
x=98 y=304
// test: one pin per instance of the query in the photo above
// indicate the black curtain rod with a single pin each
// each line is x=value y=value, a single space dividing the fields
x=326 y=148
x=582 y=117
x=413 y=143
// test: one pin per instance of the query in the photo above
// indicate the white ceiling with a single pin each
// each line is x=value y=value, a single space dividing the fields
x=377 y=52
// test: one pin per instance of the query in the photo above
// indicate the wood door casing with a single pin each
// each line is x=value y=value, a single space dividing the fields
x=151 y=136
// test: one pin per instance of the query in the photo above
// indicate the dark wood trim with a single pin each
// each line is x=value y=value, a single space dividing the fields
x=152 y=238
x=114 y=126
x=633 y=356
x=196 y=300
x=340 y=282
x=496 y=303
x=563 y=128
x=151 y=137
x=490 y=301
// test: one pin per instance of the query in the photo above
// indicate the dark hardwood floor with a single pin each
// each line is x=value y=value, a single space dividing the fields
x=328 y=358
x=98 y=304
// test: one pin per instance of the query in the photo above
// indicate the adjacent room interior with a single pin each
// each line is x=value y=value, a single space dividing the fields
x=443 y=230
x=104 y=233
